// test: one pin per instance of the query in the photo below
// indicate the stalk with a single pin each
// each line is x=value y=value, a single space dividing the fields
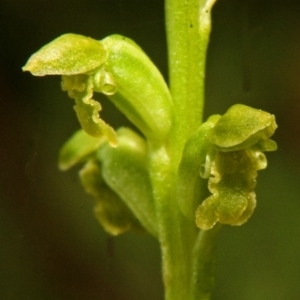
x=188 y=26
x=175 y=257
x=204 y=262
x=188 y=29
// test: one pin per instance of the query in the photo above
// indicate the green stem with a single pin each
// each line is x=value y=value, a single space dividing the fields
x=174 y=265
x=187 y=255
x=204 y=264
x=188 y=27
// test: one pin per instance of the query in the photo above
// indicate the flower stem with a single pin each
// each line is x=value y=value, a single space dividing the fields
x=188 y=27
x=204 y=264
x=186 y=258
x=173 y=234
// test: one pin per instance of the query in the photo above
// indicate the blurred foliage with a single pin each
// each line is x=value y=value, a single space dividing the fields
x=51 y=244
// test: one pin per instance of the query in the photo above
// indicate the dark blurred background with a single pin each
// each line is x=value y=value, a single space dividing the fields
x=51 y=246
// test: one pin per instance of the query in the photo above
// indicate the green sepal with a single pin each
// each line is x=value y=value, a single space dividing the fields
x=124 y=169
x=68 y=54
x=142 y=94
x=241 y=127
x=112 y=213
x=77 y=149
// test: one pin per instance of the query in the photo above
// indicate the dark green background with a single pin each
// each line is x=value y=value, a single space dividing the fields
x=51 y=246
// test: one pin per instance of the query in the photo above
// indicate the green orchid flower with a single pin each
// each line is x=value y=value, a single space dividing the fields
x=235 y=153
x=116 y=67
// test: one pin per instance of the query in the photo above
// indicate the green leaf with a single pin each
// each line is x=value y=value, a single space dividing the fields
x=68 y=54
